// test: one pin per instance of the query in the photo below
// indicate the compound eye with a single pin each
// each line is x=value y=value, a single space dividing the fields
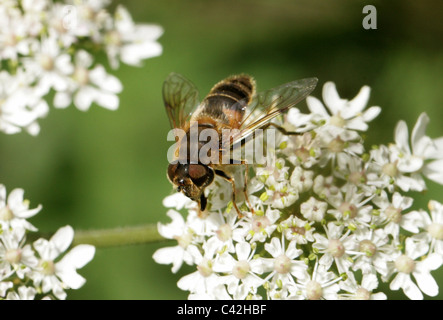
x=172 y=168
x=199 y=174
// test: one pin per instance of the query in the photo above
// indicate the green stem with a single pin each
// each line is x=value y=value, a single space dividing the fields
x=118 y=236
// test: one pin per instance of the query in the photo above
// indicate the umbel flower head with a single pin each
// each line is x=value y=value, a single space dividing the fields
x=330 y=219
x=42 y=269
x=49 y=47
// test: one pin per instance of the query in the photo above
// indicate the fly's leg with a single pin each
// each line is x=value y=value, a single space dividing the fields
x=282 y=130
x=231 y=180
x=245 y=188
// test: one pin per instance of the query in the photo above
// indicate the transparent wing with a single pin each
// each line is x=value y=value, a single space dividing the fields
x=180 y=97
x=268 y=104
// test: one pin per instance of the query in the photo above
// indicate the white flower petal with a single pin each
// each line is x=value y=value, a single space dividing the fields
x=83 y=59
x=243 y=250
x=435 y=207
x=4 y=286
x=357 y=123
x=424 y=147
x=412 y=221
x=434 y=171
x=59 y=293
x=224 y=263
x=15 y=198
x=20 y=118
x=426 y=283
x=166 y=255
x=97 y=75
x=438 y=149
x=433 y=262
x=62 y=99
x=418 y=132
x=361 y=99
x=177 y=201
x=62 y=239
x=105 y=81
x=148 y=32
x=71 y=278
x=29 y=213
x=107 y=100
x=258 y=266
x=274 y=248
x=407 y=183
x=369 y=282
x=50 y=283
x=8 y=128
x=189 y=282
x=63 y=63
x=123 y=20
x=371 y=113
x=175 y=228
x=78 y=256
x=33 y=129
x=402 y=136
x=398 y=281
x=326 y=260
x=84 y=97
x=416 y=249
x=316 y=107
x=332 y=99
x=292 y=252
x=378 y=296
x=409 y=288
x=298 y=119
x=410 y=164
x=132 y=54
x=2 y=195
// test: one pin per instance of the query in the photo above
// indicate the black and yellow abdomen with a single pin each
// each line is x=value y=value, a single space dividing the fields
x=228 y=99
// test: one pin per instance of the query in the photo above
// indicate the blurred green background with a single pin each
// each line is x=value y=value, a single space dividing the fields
x=104 y=169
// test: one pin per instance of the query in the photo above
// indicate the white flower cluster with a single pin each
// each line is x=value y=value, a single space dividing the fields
x=43 y=269
x=330 y=220
x=49 y=47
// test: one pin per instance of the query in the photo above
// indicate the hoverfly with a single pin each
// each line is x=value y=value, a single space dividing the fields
x=231 y=104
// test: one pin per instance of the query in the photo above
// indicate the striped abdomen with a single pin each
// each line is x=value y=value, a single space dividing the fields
x=227 y=100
